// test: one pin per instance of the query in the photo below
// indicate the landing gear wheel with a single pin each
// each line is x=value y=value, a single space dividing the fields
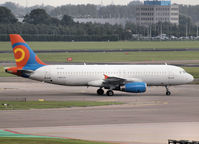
x=100 y=91
x=110 y=93
x=168 y=93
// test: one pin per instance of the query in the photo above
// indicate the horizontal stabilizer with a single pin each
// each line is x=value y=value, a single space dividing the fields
x=18 y=71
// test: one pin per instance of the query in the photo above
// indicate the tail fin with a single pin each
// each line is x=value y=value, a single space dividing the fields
x=24 y=56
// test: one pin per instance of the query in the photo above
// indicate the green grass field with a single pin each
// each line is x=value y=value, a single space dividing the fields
x=120 y=57
x=106 y=45
x=44 y=141
x=3 y=73
x=111 y=57
x=12 y=105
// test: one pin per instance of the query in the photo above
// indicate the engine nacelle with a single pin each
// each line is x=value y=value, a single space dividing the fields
x=135 y=87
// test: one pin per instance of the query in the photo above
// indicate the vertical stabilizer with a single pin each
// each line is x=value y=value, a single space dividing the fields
x=24 y=56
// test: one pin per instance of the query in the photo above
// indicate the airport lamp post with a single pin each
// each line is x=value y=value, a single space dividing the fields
x=186 y=30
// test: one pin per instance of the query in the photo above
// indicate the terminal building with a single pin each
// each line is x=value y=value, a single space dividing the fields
x=154 y=11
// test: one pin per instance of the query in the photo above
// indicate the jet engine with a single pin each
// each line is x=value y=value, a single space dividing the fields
x=135 y=87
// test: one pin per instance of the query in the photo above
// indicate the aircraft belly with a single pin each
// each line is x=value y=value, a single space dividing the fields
x=156 y=81
x=74 y=80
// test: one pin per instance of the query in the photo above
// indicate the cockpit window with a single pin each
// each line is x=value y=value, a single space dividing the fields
x=182 y=72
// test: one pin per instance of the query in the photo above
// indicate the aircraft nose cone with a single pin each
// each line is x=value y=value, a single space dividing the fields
x=190 y=78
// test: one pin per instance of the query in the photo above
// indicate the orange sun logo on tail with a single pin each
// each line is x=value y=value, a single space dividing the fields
x=17 y=50
x=22 y=55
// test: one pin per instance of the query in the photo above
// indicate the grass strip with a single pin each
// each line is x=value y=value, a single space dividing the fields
x=12 y=105
x=4 y=74
x=106 y=45
x=111 y=57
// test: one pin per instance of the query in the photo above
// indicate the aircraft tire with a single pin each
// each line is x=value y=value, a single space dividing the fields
x=168 y=93
x=100 y=91
x=110 y=93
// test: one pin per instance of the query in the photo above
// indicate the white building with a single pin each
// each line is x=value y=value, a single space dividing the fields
x=112 y=21
x=154 y=11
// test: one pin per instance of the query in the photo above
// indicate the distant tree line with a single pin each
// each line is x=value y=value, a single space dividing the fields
x=94 y=11
x=97 y=11
x=191 y=12
x=40 y=26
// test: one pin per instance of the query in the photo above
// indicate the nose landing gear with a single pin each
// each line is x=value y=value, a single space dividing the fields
x=168 y=93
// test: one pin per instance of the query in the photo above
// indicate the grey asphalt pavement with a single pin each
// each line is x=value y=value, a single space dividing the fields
x=151 y=117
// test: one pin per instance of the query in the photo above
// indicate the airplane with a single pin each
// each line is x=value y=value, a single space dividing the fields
x=125 y=78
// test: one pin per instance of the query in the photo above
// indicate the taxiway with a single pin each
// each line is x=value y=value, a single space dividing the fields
x=151 y=117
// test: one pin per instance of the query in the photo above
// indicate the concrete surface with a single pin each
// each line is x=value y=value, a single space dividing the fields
x=129 y=133
x=151 y=117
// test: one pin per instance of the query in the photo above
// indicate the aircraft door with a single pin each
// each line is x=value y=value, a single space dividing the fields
x=171 y=77
x=47 y=77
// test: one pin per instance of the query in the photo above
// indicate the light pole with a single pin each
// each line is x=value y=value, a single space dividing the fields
x=186 y=30
x=161 y=31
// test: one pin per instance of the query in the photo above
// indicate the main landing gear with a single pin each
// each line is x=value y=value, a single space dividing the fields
x=108 y=93
x=168 y=93
x=100 y=91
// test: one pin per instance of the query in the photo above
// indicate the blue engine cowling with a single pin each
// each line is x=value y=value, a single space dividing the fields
x=136 y=87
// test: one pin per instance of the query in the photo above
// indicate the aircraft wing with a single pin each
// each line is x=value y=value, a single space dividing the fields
x=115 y=82
x=112 y=82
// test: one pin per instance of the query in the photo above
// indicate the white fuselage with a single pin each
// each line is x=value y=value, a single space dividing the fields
x=84 y=75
